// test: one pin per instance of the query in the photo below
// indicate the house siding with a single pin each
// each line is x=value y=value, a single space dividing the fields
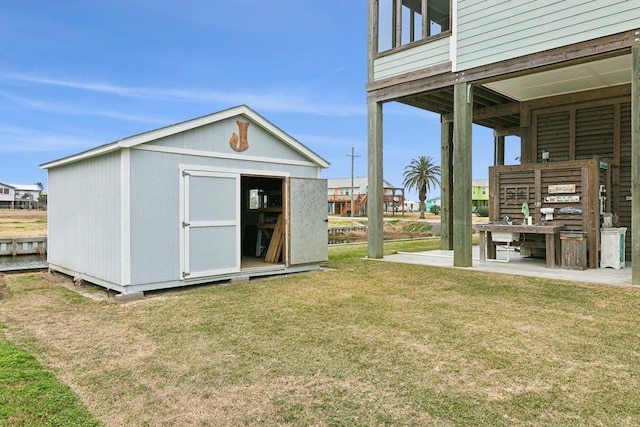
x=426 y=55
x=10 y=196
x=84 y=203
x=492 y=31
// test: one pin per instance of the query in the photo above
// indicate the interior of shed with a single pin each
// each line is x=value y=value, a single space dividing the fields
x=262 y=221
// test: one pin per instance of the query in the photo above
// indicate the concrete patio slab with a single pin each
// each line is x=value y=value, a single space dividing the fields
x=517 y=265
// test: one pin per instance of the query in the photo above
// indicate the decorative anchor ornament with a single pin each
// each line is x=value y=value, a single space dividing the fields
x=244 y=143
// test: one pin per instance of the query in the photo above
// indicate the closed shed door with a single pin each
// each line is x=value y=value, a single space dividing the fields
x=308 y=221
x=210 y=223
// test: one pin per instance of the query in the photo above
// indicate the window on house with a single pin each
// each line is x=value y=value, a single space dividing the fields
x=484 y=191
x=401 y=22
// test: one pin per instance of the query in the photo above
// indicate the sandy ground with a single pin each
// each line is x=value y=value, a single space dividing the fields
x=23 y=223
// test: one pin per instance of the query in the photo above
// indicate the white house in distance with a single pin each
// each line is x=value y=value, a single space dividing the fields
x=411 y=206
x=19 y=196
x=226 y=196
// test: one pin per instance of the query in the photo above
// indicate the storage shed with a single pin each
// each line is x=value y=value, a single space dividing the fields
x=224 y=196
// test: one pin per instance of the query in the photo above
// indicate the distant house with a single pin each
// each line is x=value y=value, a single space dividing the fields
x=410 y=206
x=432 y=202
x=480 y=193
x=339 y=192
x=19 y=196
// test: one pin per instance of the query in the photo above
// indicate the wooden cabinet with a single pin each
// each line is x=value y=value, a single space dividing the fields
x=270 y=208
x=569 y=189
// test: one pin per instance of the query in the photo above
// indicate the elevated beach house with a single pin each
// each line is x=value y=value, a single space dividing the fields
x=226 y=196
x=562 y=76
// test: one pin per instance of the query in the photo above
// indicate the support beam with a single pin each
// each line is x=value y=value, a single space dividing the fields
x=375 y=189
x=516 y=131
x=462 y=173
x=635 y=165
x=498 y=150
x=526 y=148
x=501 y=110
x=446 y=185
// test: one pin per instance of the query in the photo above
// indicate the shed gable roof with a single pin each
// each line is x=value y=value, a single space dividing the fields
x=241 y=110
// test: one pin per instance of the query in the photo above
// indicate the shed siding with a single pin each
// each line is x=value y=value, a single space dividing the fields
x=493 y=31
x=155 y=245
x=84 y=205
x=214 y=138
x=155 y=181
x=423 y=56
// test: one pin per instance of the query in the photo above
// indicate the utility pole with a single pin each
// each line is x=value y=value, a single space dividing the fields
x=353 y=156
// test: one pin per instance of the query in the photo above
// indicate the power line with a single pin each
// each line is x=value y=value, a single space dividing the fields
x=353 y=157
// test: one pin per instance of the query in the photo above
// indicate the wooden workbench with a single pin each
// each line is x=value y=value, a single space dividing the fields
x=551 y=232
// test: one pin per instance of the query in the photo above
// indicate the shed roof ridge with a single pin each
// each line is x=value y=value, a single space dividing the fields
x=144 y=137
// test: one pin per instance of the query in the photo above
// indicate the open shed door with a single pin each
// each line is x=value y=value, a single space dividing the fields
x=307 y=221
x=210 y=223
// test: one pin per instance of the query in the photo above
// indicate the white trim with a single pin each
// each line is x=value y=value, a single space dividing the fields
x=136 y=140
x=184 y=215
x=98 y=151
x=199 y=153
x=214 y=169
x=453 y=40
x=212 y=223
x=125 y=216
x=182 y=196
x=286 y=211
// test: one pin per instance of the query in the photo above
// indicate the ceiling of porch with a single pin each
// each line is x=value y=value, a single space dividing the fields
x=576 y=78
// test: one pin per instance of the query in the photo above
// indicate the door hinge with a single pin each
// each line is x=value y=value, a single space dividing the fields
x=185 y=224
x=185 y=173
x=185 y=274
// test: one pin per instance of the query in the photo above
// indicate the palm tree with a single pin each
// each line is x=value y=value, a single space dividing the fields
x=421 y=174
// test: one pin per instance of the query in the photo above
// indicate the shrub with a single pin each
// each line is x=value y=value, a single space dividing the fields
x=417 y=227
x=483 y=210
x=435 y=209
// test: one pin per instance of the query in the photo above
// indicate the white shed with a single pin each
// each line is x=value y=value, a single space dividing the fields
x=224 y=196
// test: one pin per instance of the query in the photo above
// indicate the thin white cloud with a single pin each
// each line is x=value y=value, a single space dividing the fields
x=327 y=141
x=338 y=70
x=63 y=108
x=18 y=139
x=284 y=100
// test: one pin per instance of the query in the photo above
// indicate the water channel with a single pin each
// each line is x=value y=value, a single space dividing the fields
x=22 y=262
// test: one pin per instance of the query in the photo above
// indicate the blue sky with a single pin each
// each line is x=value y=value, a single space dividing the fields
x=78 y=74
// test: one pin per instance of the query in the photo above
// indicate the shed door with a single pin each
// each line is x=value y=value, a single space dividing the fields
x=210 y=224
x=307 y=221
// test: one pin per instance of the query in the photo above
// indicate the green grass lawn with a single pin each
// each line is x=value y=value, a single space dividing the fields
x=364 y=343
x=32 y=396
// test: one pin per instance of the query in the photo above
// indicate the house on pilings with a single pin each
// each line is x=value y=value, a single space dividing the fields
x=562 y=76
